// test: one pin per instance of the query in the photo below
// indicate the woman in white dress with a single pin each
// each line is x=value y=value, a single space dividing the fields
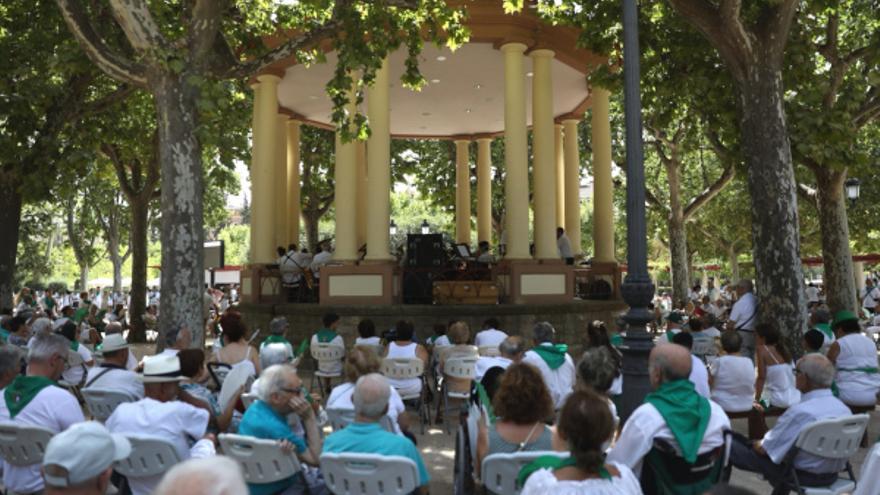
x=236 y=351
x=404 y=347
x=585 y=425
x=775 y=382
x=732 y=376
x=855 y=357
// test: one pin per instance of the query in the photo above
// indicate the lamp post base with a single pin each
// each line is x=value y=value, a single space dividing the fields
x=637 y=344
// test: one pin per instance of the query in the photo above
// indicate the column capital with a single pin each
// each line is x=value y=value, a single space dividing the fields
x=294 y=123
x=484 y=140
x=268 y=78
x=571 y=121
x=462 y=141
x=282 y=117
x=514 y=46
x=557 y=126
x=542 y=53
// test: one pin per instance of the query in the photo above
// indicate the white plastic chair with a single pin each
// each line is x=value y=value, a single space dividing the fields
x=103 y=401
x=464 y=368
x=489 y=351
x=324 y=355
x=248 y=399
x=340 y=418
x=837 y=438
x=150 y=456
x=869 y=477
x=407 y=368
x=369 y=474
x=499 y=471
x=23 y=445
x=262 y=461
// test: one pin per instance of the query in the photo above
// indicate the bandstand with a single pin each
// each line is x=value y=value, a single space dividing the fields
x=515 y=73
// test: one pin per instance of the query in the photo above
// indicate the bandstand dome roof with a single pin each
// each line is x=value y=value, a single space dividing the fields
x=464 y=94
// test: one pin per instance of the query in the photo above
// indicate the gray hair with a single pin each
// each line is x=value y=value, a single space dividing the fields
x=217 y=475
x=272 y=380
x=746 y=285
x=10 y=359
x=818 y=369
x=41 y=325
x=597 y=368
x=44 y=346
x=511 y=346
x=275 y=353
x=278 y=325
x=543 y=331
x=173 y=335
x=370 y=397
x=113 y=327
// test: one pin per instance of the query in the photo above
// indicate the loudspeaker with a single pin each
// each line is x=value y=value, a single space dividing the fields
x=418 y=287
x=424 y=250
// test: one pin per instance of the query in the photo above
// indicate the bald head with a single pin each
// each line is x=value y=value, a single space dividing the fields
x=817 y=371
x=669 y=362
x=370 y=397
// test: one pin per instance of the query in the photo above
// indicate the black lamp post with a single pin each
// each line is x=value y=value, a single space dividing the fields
x=637 y=288
x=851 y=187
x=426 y=228
x=392 y=229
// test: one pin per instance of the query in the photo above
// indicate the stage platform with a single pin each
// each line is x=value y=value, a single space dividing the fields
x=569 y=319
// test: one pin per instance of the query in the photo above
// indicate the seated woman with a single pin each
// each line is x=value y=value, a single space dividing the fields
x=598 y=337
x=855 y=357
x=521 y=405
x=596 y=372
x=459 y=335
x=359 y=362
x=236 y=351
x=404 y=347
x=585 y=425
x=76 y=374
x=192 y=366
x=367 y=334
x=774 y=386
x=732 y=377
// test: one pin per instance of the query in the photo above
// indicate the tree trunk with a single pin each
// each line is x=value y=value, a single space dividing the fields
x=773 y=190
x=182 y=209
x=310 y=220
x=840 y=292
x=10 y=219
x=139 y=218
x=115 y=257
x=83 y=275
x=733 y=254
x=678 y=251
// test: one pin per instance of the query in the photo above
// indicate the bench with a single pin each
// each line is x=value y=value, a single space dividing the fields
x=757 y=420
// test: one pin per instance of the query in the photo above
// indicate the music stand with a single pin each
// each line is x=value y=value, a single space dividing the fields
x=463 y=251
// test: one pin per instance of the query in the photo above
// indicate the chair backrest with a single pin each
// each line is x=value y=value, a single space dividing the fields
x=150 y=456
x=327 y=352
x=704 y=346
x=401 y=368
x=499 y=471
x=369 y=474
x=262 y=461
x=837 y=438
x=248 y=399
x=489 y=350
x=23 y=445
x=461 y=367
x=218 y=372
x=102 y=401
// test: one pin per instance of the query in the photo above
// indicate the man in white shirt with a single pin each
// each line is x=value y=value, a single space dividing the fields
x=113 y=374
x=160 y=414
x=870 y=295
x=290 y=266
x=512 y=350
x=79 y=461
x=321 y=258
x=490 y=335
x=814 y=374
x=673 y=413
x=176 y=341
x=699 y=375
x=35 y=400
x=553 y=361
x=563 y=245
x=744 y=316
x=812 y=294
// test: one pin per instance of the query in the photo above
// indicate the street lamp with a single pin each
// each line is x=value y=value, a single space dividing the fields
x=426 y=229
x=392 y=229
x=852 y=189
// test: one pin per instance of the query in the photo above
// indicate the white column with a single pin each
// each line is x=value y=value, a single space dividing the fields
x=572 y=185
x=544 y=153
x=294 y=207
x=345 y=195
x=282 y=214
x=361 y=180
x=603 y=187
x=379 y=167
x=262 y=171
x=516 y=183
x=560 y=175
x=484 y=190
x=462 y=192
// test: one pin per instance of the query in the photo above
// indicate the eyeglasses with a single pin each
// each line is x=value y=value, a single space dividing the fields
x=294 y=391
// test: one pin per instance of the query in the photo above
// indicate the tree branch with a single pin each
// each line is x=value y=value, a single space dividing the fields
x=710 y=192
x=204 y=27
x=730 y=39
x=302 y=42
x=105 y=102
x=136 y=21
x=112 y=153
x=775 y=34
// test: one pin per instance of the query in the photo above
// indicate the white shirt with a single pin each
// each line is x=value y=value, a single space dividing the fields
x=743 y=312
x=374 y=341
x=814 y=406
x=53 y=408
x=733 y=387
x=330 y=366
x=857 y=387
x=563 y=245
x=116 y=379
x=645 y=424
x=560 y=381
x=340 y=398
x=812 y=294
x=320 y=260
x=543 y=482
x=74 y=374
x=699 y=376
x=490 y=337
x=870 y=295
x=175 y=421
x=484 y=363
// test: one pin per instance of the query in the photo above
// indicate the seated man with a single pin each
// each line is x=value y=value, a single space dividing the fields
x=699 y=374
x=674 y=412
x=115 y=327
x=10 y=365
x=512 y=350
x=553 y=361
x=366 y=436
x=489 y=335
x=80 y=460
x=112 y=374
x=176 y=341
x=219 y=475
x=161 y=414
x=327 y=335
x=281 y=392
x=276 y=342
x=35 y=400
x=814 y=376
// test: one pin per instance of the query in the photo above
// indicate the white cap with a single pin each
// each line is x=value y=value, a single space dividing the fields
x=162 y=368
x=113 y=342
x=85 y=450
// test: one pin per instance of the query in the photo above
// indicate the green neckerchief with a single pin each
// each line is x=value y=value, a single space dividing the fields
x=49 y=302
x=22 y=391
x=74 y=345
x=80 y=314
x=325 y=335
x=866 y=369
x=825 y=329
x=553 y=355
x=616 y=340
x=552 y=463
x=4 y=334
x=484 y=400
x=274 y=339
x=685 y=412
x=303 y=348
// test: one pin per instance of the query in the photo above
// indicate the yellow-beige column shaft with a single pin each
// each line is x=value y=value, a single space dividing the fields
x=282 y=214
x=294 y=207
x=361 y=171
x=544 y=153
x=516 y=183
x=345 y=194
x=603 y=188
x=462 y=192
x=379 y=167
x=560 y=175
x=265 y=130
x=572 y=185
x=484 y=190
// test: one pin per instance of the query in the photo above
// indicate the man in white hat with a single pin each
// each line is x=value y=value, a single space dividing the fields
x=160 y=414
x=112 y=374
x=79 y=461
x=35 y=399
